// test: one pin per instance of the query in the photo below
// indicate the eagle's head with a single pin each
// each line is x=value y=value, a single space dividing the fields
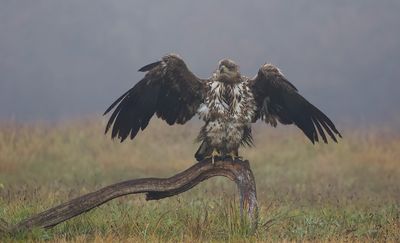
x=227 y=72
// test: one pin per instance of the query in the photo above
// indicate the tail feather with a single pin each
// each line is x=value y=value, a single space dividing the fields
x=203 y=151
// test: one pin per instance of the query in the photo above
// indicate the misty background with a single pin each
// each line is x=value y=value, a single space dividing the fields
x=67 y=59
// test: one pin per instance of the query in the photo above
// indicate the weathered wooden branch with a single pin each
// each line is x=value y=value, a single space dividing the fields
x=155 y=188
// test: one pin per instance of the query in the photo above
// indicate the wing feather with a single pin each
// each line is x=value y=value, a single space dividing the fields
x=277 y=98
x=320 y=130
x=150 y=66
x=168 y=90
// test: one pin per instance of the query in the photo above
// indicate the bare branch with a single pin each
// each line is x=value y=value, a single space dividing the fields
x=155 y=188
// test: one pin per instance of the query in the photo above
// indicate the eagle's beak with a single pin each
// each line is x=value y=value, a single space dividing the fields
x=222 y=69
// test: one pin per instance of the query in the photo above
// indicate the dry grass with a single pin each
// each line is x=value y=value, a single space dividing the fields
x=338 y=192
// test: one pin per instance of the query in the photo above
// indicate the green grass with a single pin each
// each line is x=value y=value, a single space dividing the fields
x=337 y=192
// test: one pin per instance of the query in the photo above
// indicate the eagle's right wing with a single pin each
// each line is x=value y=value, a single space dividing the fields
x=278 y=99
x=168 y=90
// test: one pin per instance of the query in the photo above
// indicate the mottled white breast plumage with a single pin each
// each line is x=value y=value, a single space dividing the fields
x=228 y=110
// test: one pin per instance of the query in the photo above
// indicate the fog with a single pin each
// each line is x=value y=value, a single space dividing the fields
x=67 y=59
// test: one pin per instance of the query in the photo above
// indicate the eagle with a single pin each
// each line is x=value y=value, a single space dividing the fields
x=227 y=102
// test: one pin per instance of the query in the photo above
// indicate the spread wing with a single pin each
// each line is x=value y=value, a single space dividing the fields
x=277 y=99
x=168 y=90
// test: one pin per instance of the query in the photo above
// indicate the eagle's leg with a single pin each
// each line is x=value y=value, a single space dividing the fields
x=215 y=153
x=234 y=155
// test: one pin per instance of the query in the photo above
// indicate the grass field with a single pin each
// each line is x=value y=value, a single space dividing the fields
x=338 y=192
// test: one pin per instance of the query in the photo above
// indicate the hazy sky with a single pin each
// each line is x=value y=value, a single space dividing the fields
x=62 y=59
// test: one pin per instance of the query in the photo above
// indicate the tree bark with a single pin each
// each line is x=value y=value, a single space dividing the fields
x=155 y=189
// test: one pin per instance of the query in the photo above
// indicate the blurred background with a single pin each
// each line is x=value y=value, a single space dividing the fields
x=68 y=59
x=62 y=63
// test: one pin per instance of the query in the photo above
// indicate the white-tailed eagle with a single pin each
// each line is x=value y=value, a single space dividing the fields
x=227 y=102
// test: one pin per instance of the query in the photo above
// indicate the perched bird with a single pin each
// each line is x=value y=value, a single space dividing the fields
x=227 y=102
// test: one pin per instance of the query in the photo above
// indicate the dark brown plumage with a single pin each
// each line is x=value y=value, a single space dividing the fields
x=228 y=103
x=168 y=90
x=278 y=99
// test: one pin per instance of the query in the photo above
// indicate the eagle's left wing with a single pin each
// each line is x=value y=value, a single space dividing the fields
x=277 y=99
x=169 y=90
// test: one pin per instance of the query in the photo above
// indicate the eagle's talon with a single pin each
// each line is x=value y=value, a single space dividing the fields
x=229 y=158
x=214 y=156
x=232 y=157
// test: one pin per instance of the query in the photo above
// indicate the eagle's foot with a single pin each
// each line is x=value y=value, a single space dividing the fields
x=214 y=154
x=238 y=159
x=234 y=157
